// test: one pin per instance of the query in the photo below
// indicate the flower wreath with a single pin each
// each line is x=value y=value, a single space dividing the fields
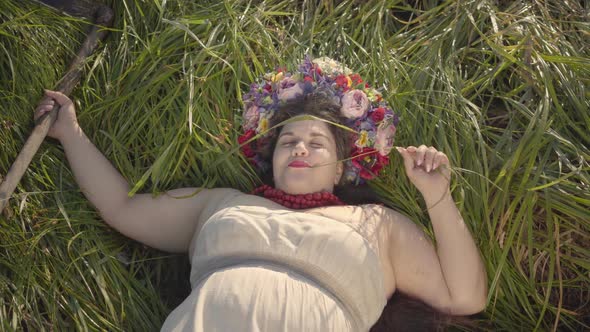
x=368 y=114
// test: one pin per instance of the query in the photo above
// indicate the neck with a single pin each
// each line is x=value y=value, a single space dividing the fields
x=298 y=201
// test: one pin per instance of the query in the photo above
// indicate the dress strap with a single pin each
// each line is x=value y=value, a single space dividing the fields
x=207 y=266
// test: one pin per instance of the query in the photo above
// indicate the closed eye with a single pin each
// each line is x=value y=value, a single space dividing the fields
x=312 y=144
x=288 y=143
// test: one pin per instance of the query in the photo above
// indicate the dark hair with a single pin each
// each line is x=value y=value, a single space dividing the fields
x=402 y=312
x=405 y=313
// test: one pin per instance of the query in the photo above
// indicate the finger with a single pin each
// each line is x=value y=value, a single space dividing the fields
x=42 y=108
x=59 y=97
x=429 y=158
x=408 y=159
x=46 y=105
x=420 y=153
x=437 y=160
x=41 y=111
x=444 y=166
x=445 y=162
x=411 y=152
x=45 y=102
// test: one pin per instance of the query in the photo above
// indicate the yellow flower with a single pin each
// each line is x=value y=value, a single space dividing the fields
x=263 y=125
x=277 y=77
x=363 y=139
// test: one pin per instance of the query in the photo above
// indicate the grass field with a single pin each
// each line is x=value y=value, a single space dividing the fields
x=501 y=86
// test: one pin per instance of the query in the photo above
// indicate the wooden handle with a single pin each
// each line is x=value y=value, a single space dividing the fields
x=103 y=16
x=20 y=165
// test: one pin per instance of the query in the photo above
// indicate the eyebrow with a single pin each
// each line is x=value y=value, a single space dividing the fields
x=313 y=134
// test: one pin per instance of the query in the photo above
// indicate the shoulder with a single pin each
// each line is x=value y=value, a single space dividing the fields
x=393 y=225
x=219 y=198
x=387 y=216
x=212 y=195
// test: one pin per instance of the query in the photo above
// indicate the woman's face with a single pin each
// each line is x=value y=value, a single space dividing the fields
x=305 y=159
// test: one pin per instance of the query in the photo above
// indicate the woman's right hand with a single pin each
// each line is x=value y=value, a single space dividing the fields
x=66 y=118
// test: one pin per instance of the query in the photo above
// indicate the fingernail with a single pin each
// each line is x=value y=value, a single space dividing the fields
x=428 y=169
x=419 y=163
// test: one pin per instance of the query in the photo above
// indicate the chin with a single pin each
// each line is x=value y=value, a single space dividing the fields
x=296 y=190
x=300 y=187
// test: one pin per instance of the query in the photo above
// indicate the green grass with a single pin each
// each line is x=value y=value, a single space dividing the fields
x=502 y=87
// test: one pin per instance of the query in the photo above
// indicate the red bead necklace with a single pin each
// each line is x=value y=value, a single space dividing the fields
x=301 y=201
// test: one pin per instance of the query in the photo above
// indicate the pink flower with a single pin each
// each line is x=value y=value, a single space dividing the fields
x=289 y=89
x=384 y=139
x=354 y=104
x=251 y=117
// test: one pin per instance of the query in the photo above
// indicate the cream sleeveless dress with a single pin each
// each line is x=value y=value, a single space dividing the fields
x=256 y=268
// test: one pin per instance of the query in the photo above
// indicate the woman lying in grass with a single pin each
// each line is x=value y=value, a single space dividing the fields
x=293 y=255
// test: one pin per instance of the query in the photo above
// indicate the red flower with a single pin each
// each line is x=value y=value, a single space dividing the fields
x=308 y=79
x=245 y=148
x=378 y=114
x=268 y=87
x=369 y=162
x=342 y=81
x=356 y=79
x=318 y=70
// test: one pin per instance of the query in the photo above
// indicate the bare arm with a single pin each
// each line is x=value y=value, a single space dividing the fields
x=450 y=277
x=162 y=222
x=166 y=222
x=459 y=257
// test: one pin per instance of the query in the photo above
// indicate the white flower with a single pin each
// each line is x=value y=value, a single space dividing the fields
x=354 y=104
x=330 y=66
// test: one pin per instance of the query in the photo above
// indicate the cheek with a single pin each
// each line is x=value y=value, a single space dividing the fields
x=325 y=156
x=332 y=152
x=279 y=156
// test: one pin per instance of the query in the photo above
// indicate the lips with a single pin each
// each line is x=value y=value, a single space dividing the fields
x=299 y=164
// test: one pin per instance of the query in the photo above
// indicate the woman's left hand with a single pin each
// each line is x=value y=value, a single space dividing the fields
x=428 y=169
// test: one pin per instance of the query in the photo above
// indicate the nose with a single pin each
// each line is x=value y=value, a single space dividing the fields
x=299 y=150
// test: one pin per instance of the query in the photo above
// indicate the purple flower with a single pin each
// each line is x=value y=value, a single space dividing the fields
x=367 y=125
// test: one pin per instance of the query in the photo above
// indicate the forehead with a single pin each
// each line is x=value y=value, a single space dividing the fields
x=307 y=127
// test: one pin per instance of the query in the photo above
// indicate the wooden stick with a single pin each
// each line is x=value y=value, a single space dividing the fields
x=103 y=17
